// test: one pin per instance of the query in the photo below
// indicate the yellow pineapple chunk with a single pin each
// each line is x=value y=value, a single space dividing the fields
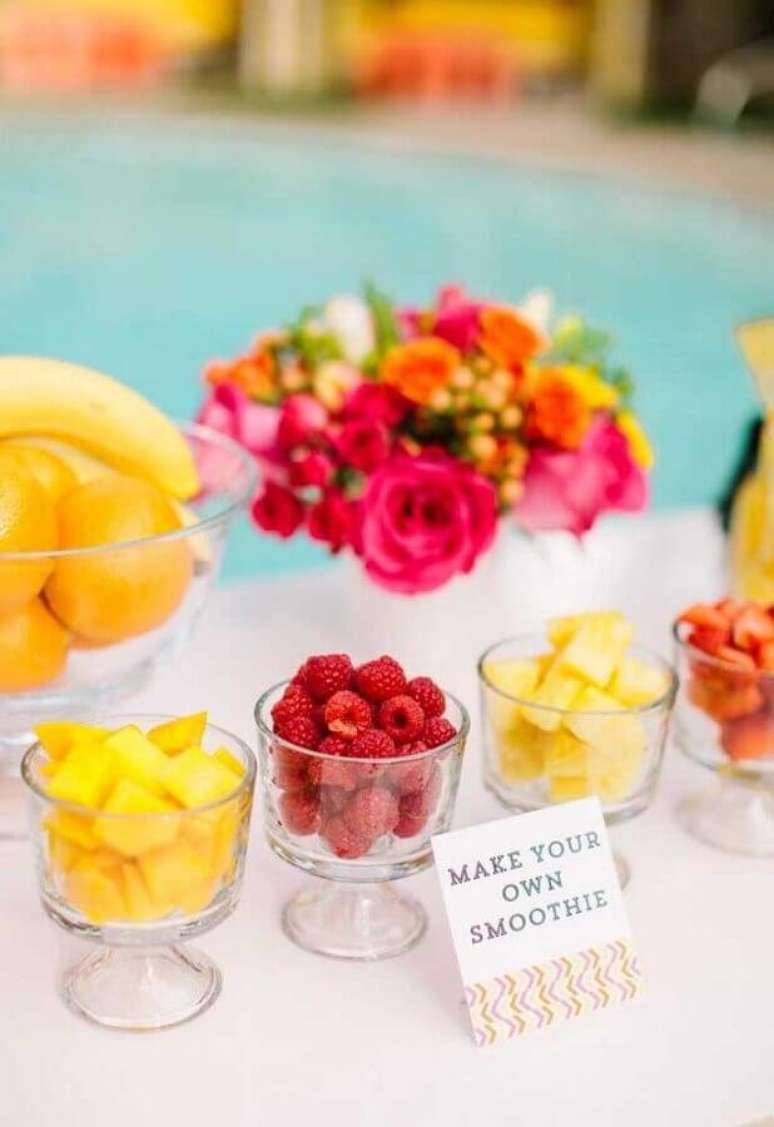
x=175 y=736
x=596 y=647
x=515 y=677
x=97 y=893
x=561 y=630
x=139 y=906
x=566 y=757
x=637 y=684
x=131 y=836
x=228 y=759
x=566 y=788
x=137 y=759
x=85 y=776
x=558 y=690
x=614 y=782
x=173 y=873
x=521 y=752
x=58 y=737
x=599 y=720
x=196 y=779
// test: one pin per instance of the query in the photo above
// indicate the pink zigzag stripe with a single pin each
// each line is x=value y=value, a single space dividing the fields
x=551 y=991
x=523 y=1000
x=610 y=974
x=581 y=986
x=512 y=1030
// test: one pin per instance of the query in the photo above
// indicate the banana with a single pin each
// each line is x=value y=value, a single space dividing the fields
x=96 y=414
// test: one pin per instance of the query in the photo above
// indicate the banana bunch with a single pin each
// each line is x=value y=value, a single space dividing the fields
x=89 y=420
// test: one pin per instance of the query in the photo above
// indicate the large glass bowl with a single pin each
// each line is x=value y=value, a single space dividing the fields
x=534 y=755
x=725 y=722
x=138 y=886
x=149 y=594
x=308 y=799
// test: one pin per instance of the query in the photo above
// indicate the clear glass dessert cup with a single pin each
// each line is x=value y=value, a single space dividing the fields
x=143 y=600
x=139 y=886
x=535 y=755
x=725 y=722
x=327 y=815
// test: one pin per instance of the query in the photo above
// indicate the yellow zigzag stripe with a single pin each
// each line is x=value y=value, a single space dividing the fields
x=488 y=1024
x=548 y=1007
x=577 y=1004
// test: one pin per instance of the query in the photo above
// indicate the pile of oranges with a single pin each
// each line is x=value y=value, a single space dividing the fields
x=49 y=604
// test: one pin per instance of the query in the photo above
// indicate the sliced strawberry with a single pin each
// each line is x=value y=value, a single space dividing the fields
x=708 y=639
x=765 y=656
x=729 y=608
x=735 y=657
x=752 y=626
x=749 y=738
x=728 y=704
x=703 y=615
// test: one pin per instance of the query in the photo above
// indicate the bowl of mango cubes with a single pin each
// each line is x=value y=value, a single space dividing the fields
x=573 y=711
x=140 y=831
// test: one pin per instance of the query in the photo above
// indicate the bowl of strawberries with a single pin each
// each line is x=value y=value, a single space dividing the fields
x=725 y=721
x=360 y=766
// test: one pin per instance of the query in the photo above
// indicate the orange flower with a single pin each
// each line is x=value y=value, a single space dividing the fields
x=507 y=339
x=557 y=411
x=254 y=375
x=420 y=368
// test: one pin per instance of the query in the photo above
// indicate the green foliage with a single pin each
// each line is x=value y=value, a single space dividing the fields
x=575 y=342
x=385 y=322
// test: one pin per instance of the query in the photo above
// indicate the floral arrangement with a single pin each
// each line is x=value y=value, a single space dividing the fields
x=404 y=434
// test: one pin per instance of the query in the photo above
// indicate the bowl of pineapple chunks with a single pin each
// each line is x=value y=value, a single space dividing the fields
x=140 y=831
x=573 y=711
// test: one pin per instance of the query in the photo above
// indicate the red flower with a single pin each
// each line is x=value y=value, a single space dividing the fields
x=363 y=444
x=377 y=402
x=312 y=468
x=278 y=510
x=331 y=520
x=301 y=419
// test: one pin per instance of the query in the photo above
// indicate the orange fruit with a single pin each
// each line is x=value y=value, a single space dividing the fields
x=119 y=593
x=33 y=648
x=27 y=524
x=52 y=473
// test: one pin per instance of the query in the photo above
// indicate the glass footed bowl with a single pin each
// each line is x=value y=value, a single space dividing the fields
x=533 y=762
x=725 y=722
x=311 y=822
x=144 y=596
x=163 y=879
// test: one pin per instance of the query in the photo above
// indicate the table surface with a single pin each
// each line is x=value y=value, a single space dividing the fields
x=296 y=1039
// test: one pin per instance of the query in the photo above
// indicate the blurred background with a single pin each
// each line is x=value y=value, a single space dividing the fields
x=176 y=175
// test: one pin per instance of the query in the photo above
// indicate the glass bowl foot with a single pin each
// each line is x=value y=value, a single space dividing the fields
x=141 y=988
x=353 y=921
x=732 y=814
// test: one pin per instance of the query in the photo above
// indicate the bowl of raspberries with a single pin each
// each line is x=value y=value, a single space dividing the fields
x=360 y=766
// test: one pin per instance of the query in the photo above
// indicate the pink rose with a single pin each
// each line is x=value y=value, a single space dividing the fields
x=363 y=444
x=377 y=402
x=457 y=318
x=331 y=520
x=278 y=510
x=301 y=418
x=423 y=520
x=253 y=425
x=568 y=490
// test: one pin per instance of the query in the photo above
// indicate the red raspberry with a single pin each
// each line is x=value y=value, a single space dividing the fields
x=408 y=778
x=346 y=841
x=347 y=715
x=381 y=679
x=298 y=730
x=327 y=674
x=368 y=772
x=409 y=826
x=295 y=702
x=372 y=812
x=300 y=812
x=402 y=718
x=335 y=745
x=332 y=801
x=423 y=802
x=426 y=692
x=438 y=732
x=374 y=744
x=339 y=774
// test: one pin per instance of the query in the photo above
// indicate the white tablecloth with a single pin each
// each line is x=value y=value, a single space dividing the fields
x=300 y=1040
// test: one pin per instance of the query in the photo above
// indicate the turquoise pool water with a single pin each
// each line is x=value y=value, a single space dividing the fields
x=144 y=248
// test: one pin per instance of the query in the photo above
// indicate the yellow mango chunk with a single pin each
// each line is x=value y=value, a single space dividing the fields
x=197 y=897
x=139 y=906
x=557 y=690
x=75 y=828
x=596 y=647
x=63 y=854
x=58 y=737
x=521 y=752
x=563 y=788
x=175 y=736
x=223 y=856
x=134 y=835
x=173 y=873
x=195 y=778
x=228 y=759
x=612 y=735
x=97 y=893
x=85 y=777
x=137 y=759
x=636 y=684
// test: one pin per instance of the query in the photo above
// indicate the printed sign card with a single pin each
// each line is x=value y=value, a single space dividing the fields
x=537 y=919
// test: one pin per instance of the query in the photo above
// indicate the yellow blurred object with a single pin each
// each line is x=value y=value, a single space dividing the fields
x=178 y=25
x=752 y=515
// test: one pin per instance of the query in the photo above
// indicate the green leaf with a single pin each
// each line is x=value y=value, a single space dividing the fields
x=385 y=322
